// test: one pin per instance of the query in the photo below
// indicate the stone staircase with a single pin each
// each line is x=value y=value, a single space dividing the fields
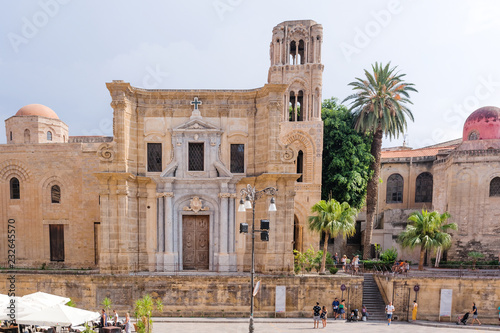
x=372 y=299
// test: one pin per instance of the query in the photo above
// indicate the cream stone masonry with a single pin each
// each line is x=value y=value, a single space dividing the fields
x=161 y=194
x=464 y=177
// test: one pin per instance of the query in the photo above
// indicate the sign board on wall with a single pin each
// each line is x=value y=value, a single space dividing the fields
x=445 y=303
x=280 y=298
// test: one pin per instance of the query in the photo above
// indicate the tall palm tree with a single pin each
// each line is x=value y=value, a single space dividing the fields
x=427 y=230
x=379 y=107
x=332 y=218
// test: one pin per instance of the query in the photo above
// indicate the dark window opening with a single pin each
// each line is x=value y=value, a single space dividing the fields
x=301 y=59
x=300 y=166
x=237 y=158
x=27 y=136
x=196 y=156
x=154 y=157
x=293 y=52
x=423 y=187
x=395 y=189
x=495 y=187
x=49 y=136
x=356 y=238
x=55 y=194
x=56 y=242
x=474 y=136
x=10 y=136
x=15 y=188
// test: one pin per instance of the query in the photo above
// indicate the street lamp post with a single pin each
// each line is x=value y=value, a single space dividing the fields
x=250 y=196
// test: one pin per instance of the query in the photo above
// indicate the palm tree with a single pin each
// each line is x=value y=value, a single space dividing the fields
x=428 y=231
x=332 y=218
x=379 y=107
x=144 y=308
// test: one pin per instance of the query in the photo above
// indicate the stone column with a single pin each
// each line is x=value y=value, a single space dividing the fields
x=170 y=256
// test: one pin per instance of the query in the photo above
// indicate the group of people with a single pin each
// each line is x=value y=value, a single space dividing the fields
x=354 y=262
x=339 y=310
x=400 y=267
x=116 y=321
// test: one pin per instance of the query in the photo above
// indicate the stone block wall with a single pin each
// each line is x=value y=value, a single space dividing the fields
x=485 y=292
x=207 y=296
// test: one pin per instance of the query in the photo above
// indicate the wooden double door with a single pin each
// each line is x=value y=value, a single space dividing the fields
x=195 y=242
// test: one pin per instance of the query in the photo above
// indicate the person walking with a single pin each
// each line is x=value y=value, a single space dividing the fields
x=414 y=311
x=323 y=315
x=127 y=323
x=316 y=314
x=335 y=306
x=342 y=309
x=344 y=262
x=389 y=309
x=336 y=258
x=474 y=314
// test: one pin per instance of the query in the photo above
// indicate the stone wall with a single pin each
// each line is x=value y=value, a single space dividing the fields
x=485 y=292
x=221 y=296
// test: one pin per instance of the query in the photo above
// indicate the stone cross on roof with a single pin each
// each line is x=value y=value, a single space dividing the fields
x=196 y=102
x=196 y=112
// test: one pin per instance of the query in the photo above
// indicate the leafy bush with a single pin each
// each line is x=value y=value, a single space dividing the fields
x=372 y=264
x=333 y=270
x=389 y=255
x=306 y=261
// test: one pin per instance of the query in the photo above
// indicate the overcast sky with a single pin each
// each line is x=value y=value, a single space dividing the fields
x=60 y=53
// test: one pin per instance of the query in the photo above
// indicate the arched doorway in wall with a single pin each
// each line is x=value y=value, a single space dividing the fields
x=297 y=234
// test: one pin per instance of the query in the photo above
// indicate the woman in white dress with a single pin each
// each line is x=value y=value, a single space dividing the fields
x=127 y=323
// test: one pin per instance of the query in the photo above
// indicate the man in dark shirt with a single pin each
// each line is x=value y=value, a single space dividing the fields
x=335 y=306
x=474 y=314
x=316 y=311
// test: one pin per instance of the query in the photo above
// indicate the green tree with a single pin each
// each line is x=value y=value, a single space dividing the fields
x=379 y=108
x=427 y=230
x=332 y=218
x=346 y=156
x=475 y=256
x=144 y=308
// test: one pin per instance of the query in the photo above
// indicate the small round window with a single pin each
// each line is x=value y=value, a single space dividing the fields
x=474 y=135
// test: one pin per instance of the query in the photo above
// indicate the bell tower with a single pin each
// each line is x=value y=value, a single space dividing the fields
x=296 y=61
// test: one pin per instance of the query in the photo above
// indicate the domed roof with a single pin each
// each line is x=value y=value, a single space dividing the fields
x=37 y=110
x=483 y=124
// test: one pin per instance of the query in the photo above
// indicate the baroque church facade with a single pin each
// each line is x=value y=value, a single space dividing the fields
x=162 y=193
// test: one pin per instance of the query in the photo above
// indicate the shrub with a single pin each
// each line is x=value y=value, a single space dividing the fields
x=389 y=255
x=333 y=270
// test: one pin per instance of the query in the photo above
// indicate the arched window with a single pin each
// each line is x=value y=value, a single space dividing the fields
x=55 y=194
x=423 y=187
x=27 y=136
x=300 y=166
x=300 y=52
x=15 y=189
x=293 y=53
x=495 y=187
x=291 y=107
x=395 y=188
x=11 y=136
x=49 y=136
x=474 y=135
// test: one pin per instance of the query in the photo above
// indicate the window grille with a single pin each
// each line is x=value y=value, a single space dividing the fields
x=196 y=156
x=15 y=189
x=495 y=187
x=154 y=157
x=474 y=135
x=395 y=189
x=49 y=136
x=423 y=187
x=55 y=194
x=237 y=158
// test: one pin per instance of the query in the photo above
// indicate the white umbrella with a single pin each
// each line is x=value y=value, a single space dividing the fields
x=46 y=299
x=58 y=315
x=19 y=308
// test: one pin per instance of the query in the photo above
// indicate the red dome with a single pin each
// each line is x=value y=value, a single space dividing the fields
x=483 y=124
x=37 y=110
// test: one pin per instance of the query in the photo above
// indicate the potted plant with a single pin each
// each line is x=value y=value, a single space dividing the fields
x=144 y=308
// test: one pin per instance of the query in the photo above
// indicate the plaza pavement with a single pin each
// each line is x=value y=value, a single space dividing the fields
x=297 y=325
